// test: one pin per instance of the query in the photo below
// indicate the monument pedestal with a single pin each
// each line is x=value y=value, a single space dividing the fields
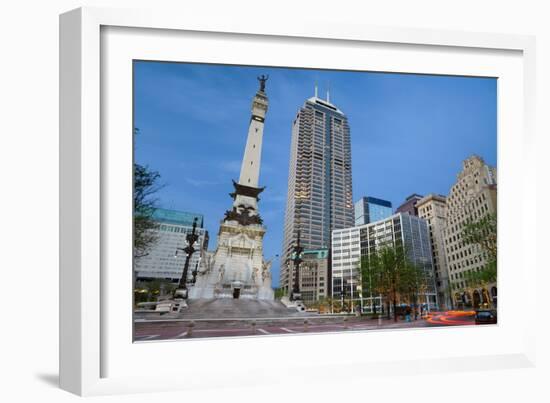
x=237 y=269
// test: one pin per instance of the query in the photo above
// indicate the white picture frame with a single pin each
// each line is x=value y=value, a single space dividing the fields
x=95 y=351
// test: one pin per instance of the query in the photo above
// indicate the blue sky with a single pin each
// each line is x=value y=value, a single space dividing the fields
x=409 y=133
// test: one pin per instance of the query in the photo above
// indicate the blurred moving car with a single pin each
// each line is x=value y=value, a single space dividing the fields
x=486 y=316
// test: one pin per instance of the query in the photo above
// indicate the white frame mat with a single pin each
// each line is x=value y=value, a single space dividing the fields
x=97 y=355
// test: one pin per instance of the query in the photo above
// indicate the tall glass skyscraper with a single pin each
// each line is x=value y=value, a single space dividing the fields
x=370 y=209
x=319 y=180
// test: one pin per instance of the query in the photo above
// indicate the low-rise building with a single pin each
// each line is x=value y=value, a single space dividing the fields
x=409 y=205
x=314 y=281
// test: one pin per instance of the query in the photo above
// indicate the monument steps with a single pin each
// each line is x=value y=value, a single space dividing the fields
x=228 y=308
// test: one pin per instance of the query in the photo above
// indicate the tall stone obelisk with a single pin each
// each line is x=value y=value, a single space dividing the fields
x=237 y=268
x=247 y=190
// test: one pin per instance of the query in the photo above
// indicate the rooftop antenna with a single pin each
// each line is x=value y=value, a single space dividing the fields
x=328 y=92
x=316 y=90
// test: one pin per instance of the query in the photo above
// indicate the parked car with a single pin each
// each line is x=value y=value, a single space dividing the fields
x=486 y=316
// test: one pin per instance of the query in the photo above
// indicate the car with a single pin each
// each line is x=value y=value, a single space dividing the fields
x=486 y=316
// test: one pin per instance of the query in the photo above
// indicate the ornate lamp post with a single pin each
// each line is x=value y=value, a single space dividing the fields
x=181 y=291
x=297 y=260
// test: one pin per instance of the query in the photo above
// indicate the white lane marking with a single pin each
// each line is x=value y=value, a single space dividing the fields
x=287 y=330
x=149 y=337
x=181 y=335
x=263 y=331
x=220 y=330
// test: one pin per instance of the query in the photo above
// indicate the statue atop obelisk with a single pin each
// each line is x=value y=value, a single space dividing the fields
x=237 y=269
x=245 y=205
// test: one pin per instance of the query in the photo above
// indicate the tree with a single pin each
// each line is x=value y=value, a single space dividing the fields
x=148 y=291
x=326 y=304
x=279 y=292
x=371 y=278
x=384 y=273
x=482 y=233
x=145 y=186
x=413 y=283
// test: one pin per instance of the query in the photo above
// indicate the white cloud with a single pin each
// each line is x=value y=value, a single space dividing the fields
x=231 y=166
x=201 y=182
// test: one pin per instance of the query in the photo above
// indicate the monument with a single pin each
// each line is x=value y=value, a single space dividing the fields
x=237 y=268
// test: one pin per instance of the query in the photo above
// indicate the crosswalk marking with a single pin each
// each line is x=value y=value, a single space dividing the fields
x=263 y=331
x=287 y=330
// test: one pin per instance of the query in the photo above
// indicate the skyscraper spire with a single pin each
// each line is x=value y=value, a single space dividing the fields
x=316 y=90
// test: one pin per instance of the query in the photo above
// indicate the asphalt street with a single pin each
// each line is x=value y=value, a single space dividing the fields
x=155 y=330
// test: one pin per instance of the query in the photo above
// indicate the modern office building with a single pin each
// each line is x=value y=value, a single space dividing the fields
x=369 y=209
x=346 y=265
x=409 y=205
x=314 y=275
x=351 y=245
x=433 y=209
x=473 y=196
x=164 y=260
x=319 y=196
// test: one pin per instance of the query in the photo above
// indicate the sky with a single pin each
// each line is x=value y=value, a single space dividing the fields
x=409 y=133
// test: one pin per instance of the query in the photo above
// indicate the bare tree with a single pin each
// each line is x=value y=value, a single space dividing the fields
x=145 y=186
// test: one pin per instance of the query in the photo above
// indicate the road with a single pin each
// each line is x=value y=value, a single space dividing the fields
x=155 y=330
x=180 y=329
x=451 y=318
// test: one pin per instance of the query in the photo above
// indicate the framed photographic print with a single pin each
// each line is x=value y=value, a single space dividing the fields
x=231 y=196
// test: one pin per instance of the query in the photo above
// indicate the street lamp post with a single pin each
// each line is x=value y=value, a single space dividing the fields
x=297 y=260
x=352 y=283
x=360 y=294
x=343 y=293
x=191 y=238
x=449 y=290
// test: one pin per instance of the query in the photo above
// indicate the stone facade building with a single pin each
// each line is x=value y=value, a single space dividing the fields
x=313 y=275
x=433 y=209
x=473 y=196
